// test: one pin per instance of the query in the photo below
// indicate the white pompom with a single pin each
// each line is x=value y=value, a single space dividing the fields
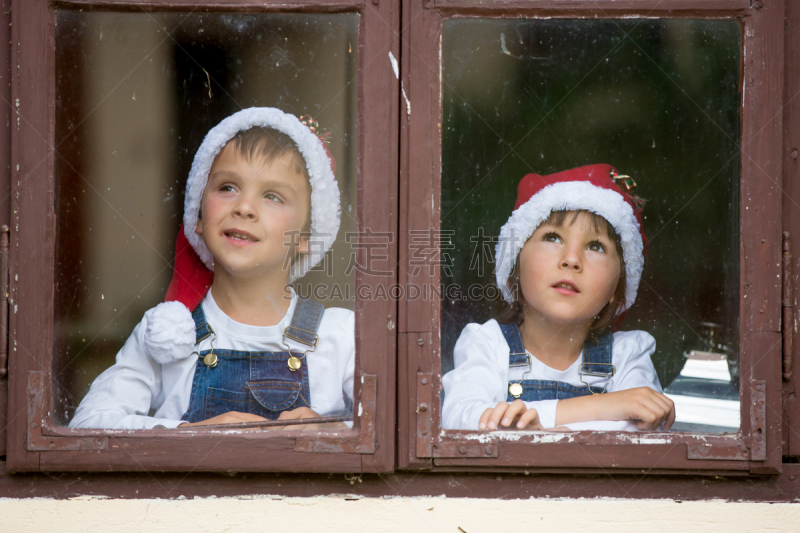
x=170 y=333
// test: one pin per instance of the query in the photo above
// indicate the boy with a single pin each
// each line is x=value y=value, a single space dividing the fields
x=227 y=346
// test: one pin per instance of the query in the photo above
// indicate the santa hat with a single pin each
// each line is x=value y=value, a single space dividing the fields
x=170 y=333
x=599 y=189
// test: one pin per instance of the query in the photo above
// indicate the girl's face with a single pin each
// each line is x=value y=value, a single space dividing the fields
x=568 y=273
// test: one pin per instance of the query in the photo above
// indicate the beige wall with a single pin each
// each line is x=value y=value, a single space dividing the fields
x=337 y=513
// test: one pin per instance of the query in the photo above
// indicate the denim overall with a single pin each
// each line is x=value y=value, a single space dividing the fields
x=260 y=383
x=596 y=363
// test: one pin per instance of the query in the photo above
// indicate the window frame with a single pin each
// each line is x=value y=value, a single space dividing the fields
x=422 y=444
x=791 y=220
x=35 y=442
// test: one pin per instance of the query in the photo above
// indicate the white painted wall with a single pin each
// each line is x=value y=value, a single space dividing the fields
x=337 y=513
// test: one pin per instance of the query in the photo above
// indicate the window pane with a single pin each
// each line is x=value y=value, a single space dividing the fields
x=136 y=94
x=657 y=99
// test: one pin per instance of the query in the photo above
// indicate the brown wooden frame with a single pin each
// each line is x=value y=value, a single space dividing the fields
x=791 y=221
x=757 y=447
x=34 y=441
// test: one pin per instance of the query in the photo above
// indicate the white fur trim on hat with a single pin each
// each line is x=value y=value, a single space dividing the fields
x=170 y=333
x=325 y=208
x=571 y=196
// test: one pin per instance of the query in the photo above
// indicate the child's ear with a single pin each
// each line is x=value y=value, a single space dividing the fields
x=199 y=227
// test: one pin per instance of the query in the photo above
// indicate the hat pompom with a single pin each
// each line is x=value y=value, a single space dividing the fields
x=170 y=333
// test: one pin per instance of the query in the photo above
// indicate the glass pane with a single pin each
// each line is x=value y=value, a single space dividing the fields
x=657 y=99
x=136 y=94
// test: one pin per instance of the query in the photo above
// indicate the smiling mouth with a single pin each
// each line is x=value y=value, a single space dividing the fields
x=566 y=286
x=238 y=236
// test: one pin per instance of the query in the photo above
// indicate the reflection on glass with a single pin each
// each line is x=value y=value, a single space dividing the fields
x=136 y=93
x=658 y=99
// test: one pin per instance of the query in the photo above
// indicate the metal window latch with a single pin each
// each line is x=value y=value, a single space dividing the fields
x=787 y=307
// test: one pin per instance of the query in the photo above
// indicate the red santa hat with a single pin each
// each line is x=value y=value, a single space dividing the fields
x=599 y=189
x=170 y=330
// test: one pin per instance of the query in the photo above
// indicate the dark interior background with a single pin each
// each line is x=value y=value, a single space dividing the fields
x=136 y=94
x=658 y=99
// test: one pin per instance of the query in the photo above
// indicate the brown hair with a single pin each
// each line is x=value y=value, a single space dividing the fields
x=514 y=312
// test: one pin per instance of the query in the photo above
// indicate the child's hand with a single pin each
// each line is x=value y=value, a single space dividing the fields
x=649 y=407
x=504 y=415
x=300 y=412
x=231 y=417
x=305 y=412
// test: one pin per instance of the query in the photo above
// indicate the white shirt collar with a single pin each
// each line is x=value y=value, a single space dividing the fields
x=220 y=320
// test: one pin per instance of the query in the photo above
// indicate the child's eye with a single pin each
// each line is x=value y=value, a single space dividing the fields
x=596 y=247
x=551 y=237
x=273 y=197
x=227 y=188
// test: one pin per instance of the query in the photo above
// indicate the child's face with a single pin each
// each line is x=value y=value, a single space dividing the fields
x=250 y=210
x=568 y=273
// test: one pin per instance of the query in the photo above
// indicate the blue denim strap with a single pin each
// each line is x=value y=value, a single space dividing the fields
x=597 y=357
x=305 y=322
x=517 y=355
x=201 y=327
x=534 y=390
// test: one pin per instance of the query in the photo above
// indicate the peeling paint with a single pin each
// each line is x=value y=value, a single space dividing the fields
x=548 y=437
x=395 y=68
x=535 y=437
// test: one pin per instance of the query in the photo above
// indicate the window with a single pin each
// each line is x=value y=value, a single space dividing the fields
x=542 y=88
x=117 y=112
x=582 y=91
x=115 y=239
x=408 y=338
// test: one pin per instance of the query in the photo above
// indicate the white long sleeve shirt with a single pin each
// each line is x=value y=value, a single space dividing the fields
x=123 y=395
x=481 y=375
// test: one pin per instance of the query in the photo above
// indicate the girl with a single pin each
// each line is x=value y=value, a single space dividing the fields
x=569 y=261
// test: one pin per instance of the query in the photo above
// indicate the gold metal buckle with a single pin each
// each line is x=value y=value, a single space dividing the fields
x=285 y=334
x=581 y=373
x=210 y=359
x=295 y=363
x=515 y=389
x=527 y=356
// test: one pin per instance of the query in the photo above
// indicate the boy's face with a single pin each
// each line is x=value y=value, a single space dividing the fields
x=252 y=212
x=568 y=273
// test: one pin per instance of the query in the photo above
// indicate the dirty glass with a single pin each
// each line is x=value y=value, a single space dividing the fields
x=658 y=99
x=135 y=95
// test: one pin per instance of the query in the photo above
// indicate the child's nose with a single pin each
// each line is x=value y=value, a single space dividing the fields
x=571 y=259
x=244 y=207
